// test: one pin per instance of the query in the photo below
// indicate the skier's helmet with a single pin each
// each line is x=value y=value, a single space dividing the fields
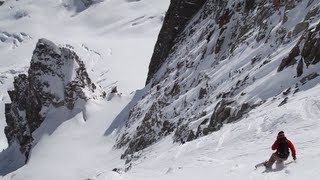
x=280 y=133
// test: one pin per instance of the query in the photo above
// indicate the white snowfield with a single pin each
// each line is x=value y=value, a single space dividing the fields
x=115 y=39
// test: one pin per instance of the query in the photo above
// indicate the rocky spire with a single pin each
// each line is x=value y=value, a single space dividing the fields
x=56 y=77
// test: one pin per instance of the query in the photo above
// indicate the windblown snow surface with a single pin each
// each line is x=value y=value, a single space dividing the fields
x=115 y=38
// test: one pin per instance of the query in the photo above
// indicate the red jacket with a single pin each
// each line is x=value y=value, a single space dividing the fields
x=290 y=145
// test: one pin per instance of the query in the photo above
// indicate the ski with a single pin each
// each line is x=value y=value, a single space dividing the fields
x=287 y=163
x=260 y=164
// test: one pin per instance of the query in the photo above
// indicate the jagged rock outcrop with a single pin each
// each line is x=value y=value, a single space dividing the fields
x=88 y=3
x=306 y=51
x=229 y=58
x=79 y=5
x=13 y=39
x=56 y=78
x=178 y=15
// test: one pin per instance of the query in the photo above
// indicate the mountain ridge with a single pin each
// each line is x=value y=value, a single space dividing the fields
x=230 y=58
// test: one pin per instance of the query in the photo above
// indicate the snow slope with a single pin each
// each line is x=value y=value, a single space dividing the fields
x=232 y=152
x=114 y=38
x=77 y=149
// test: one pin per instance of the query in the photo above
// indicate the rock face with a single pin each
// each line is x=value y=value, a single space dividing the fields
x=56 y=77
x=178 y=15
x=88 y=3
x=306 y=51
x=223 y=60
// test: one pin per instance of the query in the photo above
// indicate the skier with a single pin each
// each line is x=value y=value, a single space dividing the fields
x=282 y=145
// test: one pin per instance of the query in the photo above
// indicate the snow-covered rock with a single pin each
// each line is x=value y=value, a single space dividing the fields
x=56 y=78
x=231 y=57
x=80 y=5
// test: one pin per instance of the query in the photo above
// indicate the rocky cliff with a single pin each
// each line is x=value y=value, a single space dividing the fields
x=178 y=15
x=223 y=60
x=56 y=78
